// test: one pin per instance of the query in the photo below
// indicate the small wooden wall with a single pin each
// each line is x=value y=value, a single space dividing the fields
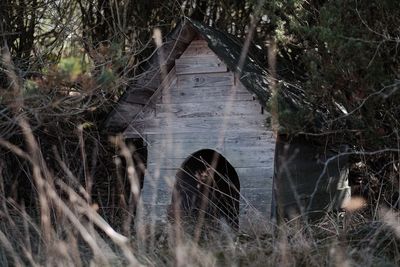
x=200 y=106
x=303 y=184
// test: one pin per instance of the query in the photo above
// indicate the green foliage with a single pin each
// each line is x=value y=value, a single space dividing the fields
x=106 y=78
x=30 y=87
x=72 y=67
x=346 y=52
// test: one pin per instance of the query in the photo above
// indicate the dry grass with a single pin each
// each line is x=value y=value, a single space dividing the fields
x=82 y=238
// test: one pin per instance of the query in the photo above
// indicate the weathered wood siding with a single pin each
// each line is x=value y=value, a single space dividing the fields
x=202 y=108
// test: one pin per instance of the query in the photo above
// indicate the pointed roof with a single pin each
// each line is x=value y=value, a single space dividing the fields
x=228 y=48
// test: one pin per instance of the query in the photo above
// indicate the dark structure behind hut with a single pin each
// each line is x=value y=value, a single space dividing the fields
x=205 y=130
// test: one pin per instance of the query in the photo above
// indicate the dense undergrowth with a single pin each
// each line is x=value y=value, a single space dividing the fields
x=81 y=239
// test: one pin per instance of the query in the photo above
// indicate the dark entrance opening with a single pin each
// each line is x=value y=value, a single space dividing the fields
x=207 y=185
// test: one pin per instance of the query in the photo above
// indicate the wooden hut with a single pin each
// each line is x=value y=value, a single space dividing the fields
x=196 y=112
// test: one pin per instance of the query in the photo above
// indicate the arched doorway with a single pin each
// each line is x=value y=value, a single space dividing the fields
x=207 y=185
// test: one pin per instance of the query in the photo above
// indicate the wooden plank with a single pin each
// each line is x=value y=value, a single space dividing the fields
x=205 y=94
x=153 y=212
x=257 y=195
x=205 y=64
x=259 y=177
x=252 y=161
x=199 y=42
x=230 y=138
x=160 y=160
x=239 y=149
x=159 y=211
x=178 y=139
x=209 y=109
x=163 y=160
x=248 y=138
x=268 y=150
x=203 y=97
x=205 y=80
x=250 y=178
x=256 y=182
x=193 y=141
x=246 y=123
x=243 y=172
x=156 y=189
x=157 y=196
x=187 y=147
x=198 y=48
x=260 y=198
x=262 y=172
